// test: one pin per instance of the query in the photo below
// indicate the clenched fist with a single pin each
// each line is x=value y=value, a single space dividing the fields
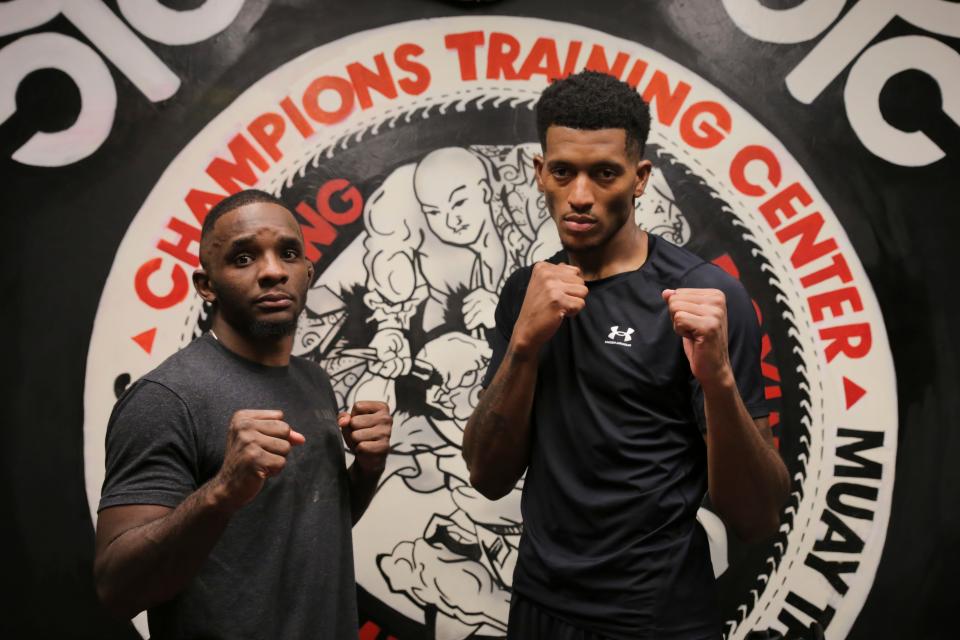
x=700 y=317
x=555 y=291
x=366 y=432
x=258 y=442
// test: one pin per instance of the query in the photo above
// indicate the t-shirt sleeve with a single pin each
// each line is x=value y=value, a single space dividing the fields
x=151 y=452
x=743 y=338
x=505 y=317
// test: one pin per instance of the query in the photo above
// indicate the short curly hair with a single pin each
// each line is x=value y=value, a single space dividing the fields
x=228 y=204
x=592 y=100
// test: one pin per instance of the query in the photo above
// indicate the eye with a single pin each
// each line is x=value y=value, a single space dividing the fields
x=470 y=378
x=242 y=259
x=606 y=174
x=458 y=203
x=431 y=211
x=291 y=254
x=560 y=173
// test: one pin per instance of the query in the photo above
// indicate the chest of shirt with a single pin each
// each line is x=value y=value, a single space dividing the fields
x=622 y=344
x=305 y=411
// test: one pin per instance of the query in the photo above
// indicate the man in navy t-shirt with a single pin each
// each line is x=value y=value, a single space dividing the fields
x=625 y=382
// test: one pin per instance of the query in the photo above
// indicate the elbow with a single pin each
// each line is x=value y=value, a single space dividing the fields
x=488 y=487
x=111 y=597
x=758 y=529
x=751 y=525
x=755 y=527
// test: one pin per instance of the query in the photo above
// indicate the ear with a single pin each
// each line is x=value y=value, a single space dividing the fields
x=201 y=282
x=537 y=169
x=487 y=191
x=309 y=270
x=644 y=169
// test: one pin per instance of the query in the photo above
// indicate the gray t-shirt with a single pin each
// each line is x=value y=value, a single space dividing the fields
x=283 y=567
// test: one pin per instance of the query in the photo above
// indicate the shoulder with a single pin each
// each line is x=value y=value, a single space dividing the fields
x=148 y=397
x=677 y=267
x=182 y=371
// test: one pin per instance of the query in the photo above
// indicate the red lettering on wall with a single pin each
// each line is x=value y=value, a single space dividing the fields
x=311 y=99
x=666 y=101
x=346 y=193
x=403 y=56
x=178 y=289
x=807 y=250
x=502 y=52
x=233 y=176
x=598 y=62
x=573 y=54
x=636 y=73
x=705 y=132
x=319 y=227
x=726 y=263
x=542 y=60
x=852 y=340
x=745 y=157
x=267 y=130
x=316 y=232
x=466 y=45
x=200 y=203
x=838 y=268
x=833 y=301
x=782 y=203
x=296 y=117
x=188 y=235
x=768 y=369
x=365 y=79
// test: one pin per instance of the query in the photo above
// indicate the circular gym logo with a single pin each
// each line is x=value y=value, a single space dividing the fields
x=406 y=154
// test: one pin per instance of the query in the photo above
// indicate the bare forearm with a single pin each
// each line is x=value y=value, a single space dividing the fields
x=748 y=481
x=150 y=563
x=363 y=486
x=496 y=440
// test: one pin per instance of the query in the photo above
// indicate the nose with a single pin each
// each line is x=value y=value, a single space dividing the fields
x=273 y=270
x=580 y=198
x=454 y=220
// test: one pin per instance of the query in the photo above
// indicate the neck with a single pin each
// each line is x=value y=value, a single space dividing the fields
x=625 y=251
x=271 y=352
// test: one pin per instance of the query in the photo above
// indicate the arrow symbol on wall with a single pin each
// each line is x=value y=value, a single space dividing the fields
x=145 y=339
x=852 y=391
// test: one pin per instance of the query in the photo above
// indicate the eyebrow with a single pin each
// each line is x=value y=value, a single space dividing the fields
x=244 y=241
x=599 y=164
x=450 y=197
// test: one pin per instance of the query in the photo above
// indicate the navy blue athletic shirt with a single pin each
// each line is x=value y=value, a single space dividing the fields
x=618 y=464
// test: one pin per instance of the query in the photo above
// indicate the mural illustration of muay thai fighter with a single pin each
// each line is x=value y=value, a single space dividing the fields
x=458 y=221
x=452 y=238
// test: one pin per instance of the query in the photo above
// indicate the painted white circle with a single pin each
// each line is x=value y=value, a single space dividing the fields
x=429 y=72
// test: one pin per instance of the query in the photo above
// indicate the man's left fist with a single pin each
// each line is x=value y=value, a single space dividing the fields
x=699 y=316
x=366 y=432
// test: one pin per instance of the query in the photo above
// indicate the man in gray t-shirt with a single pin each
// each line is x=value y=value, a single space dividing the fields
x=227 y=506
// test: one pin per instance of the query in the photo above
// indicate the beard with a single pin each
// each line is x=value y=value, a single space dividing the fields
x=267 y=330
x=257 y=329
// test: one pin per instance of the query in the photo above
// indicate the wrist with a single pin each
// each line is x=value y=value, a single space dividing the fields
x=723 y=381
x=218 y=499
x=367 y=472
x=522 y=348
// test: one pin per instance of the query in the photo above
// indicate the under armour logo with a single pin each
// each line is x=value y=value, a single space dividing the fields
x=616 y=333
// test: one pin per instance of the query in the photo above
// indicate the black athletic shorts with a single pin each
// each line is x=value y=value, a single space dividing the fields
x=530 y=622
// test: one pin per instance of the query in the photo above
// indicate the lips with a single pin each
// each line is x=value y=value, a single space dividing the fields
x=578 y=223
x=274 y=301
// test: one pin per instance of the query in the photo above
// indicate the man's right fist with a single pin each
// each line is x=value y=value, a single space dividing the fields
x=555 y=292
x=258 y=442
